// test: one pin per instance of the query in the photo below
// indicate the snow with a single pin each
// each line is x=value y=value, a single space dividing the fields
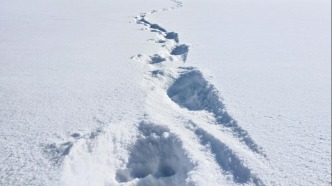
x=165 y=92
x=65 y=69
x=271 y=61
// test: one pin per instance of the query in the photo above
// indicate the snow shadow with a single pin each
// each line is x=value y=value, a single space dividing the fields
x=181 y=50
x=157 y=27
x=56 y=153
x=227 y=160
x=156 y=73
x=153 y=27
x=156 y=158
x=172 y=35
x=193 y=92
x=156 y=59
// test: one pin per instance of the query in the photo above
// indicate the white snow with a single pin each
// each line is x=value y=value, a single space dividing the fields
x=161 y=92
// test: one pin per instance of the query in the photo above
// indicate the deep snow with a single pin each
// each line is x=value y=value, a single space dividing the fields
x=165 y=92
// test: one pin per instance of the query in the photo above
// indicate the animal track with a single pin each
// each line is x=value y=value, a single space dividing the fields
x=157 y=59
x=161 y=155
x=181 y=50
x=172 y=35
x=227 y=160
x=157 y=27
x=155 y=73
x=156 y=154
x=193 y=92
x=175 y=49
x=149 y=59
x=56 y=153
x=153 y=27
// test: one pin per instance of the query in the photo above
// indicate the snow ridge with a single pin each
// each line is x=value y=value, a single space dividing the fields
x=185 y=137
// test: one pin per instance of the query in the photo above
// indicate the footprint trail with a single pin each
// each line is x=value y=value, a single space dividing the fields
x=185 y=136
x=187 y=87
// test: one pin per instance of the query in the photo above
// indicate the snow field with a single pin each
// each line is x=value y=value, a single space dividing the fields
x=164 y=121
x=185 y=137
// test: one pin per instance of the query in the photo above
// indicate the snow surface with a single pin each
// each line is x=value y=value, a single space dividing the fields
x=165 y=92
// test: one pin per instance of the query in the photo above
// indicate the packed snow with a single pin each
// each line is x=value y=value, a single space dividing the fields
x=165 y=92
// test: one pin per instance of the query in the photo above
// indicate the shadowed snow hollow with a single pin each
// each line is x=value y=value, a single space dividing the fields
x=193 y=92
x=157 y=158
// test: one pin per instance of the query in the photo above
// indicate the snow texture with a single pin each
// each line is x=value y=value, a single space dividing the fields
x=76 y=109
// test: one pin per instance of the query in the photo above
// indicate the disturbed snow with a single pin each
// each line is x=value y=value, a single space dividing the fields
x=174 y=130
